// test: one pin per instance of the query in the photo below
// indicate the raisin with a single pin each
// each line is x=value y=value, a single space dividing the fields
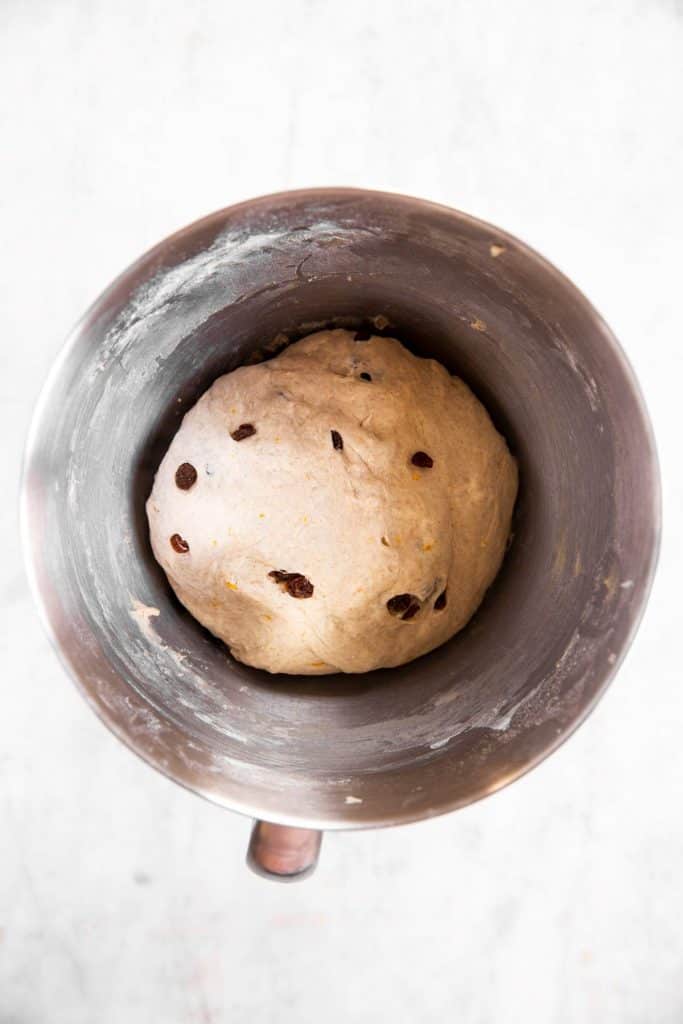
x=299 y=586
x=244 y=430
x=441 y=601
x=294 y=582
x=412 y=609
x=185 y=476
x=362 y=335
x=405 y=605
x=280 y=576
x=422 y=460
x=399 y=603
x=337 y=440
x=365 y=376
x=179 y=544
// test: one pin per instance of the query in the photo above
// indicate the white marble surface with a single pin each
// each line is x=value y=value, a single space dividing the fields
x=124 y=898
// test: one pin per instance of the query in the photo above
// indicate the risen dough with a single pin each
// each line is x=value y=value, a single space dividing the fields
x=361 y=524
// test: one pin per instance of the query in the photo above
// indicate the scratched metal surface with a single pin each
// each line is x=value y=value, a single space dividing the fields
x=385 y=747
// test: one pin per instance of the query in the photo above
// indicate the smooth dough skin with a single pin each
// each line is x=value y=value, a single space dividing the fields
x=304 y=466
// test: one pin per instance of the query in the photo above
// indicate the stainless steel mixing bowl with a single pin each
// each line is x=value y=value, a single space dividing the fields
x=392 y=746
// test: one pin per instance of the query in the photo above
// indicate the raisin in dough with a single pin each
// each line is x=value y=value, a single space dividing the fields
x=342 y=507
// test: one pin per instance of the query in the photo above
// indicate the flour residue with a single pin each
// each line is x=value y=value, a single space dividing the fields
x=142 y=614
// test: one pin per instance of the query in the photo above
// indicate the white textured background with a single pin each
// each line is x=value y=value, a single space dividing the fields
x=122 y=897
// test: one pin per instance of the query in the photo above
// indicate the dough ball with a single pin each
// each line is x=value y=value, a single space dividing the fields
x=342 y=507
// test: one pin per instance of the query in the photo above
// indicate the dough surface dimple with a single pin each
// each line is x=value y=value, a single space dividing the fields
x=335 y=522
